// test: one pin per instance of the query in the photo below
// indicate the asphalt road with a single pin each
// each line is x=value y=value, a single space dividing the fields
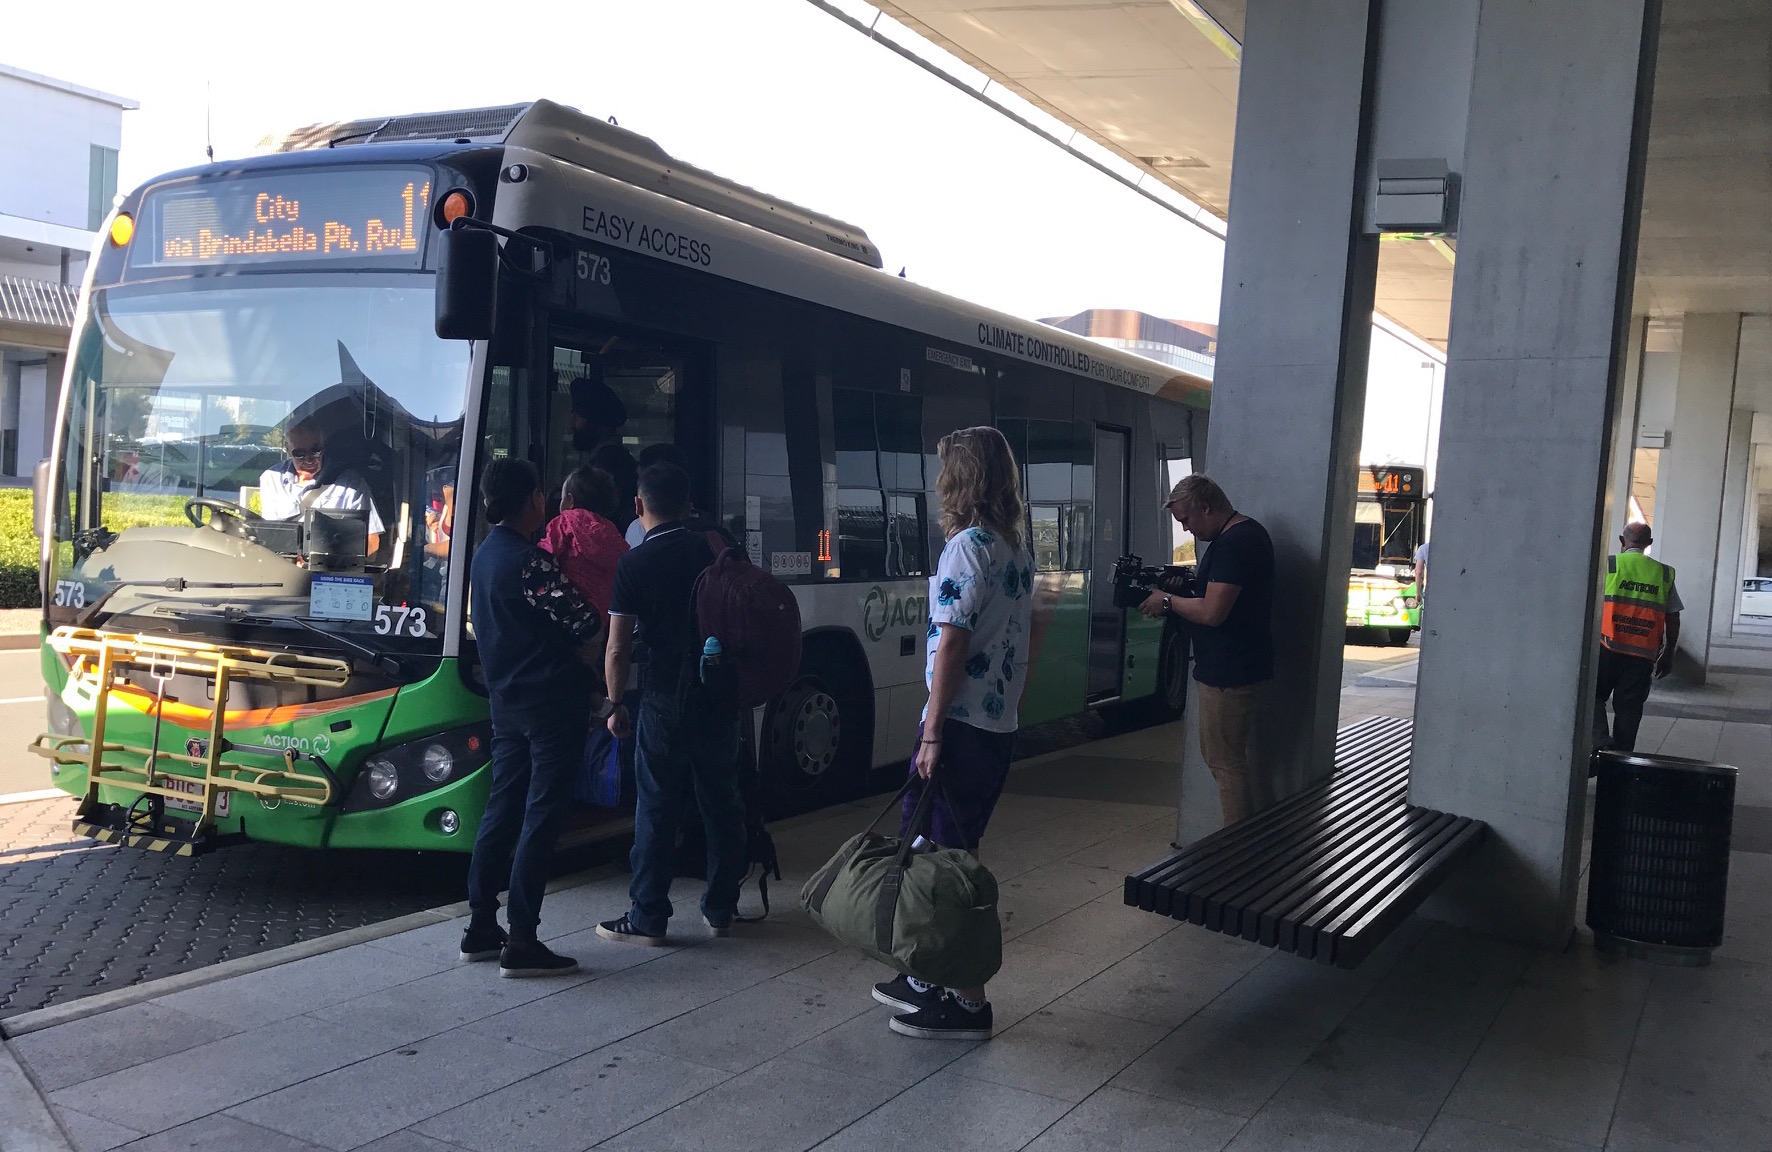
x=22 y=716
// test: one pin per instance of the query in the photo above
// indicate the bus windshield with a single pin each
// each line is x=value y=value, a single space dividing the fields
x=269 y=452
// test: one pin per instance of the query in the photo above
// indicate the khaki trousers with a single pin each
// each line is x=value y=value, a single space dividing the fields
x=1226 y=718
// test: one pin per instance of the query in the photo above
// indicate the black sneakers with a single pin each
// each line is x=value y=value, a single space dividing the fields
x=482 y=941
x=622 y=931
x=898 y=993
x=524 y=958
x=945 y=1020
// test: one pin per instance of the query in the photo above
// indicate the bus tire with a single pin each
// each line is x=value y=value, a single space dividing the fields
x=1398 y=637
x=817 y=738
x=1170 y=699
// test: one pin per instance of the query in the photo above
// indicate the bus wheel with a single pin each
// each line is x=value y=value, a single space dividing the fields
x=1171 y=696
x=804 y=745
x=1398 y=637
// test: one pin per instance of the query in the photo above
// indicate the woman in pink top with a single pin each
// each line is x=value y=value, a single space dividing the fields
x=583 y=538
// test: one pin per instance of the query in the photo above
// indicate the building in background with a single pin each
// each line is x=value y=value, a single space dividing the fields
x=1178 y=343
x=58 y=176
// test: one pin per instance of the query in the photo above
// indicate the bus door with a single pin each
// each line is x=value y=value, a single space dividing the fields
x=648 y=376
x=1107 y=624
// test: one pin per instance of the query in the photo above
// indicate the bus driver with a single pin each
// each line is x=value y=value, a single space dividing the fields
x=289 y=489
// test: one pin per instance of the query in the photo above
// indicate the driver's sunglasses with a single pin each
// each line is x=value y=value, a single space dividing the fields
x=305 y=453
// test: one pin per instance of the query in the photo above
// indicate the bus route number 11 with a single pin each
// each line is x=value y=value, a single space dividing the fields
x=593 y=267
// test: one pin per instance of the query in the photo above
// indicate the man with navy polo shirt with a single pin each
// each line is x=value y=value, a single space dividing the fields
x=679 y=746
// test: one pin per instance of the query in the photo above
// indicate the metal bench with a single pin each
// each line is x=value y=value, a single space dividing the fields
x=1326 y=874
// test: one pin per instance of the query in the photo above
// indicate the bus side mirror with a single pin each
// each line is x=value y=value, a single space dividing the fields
x=40 y=503
x=467 y=284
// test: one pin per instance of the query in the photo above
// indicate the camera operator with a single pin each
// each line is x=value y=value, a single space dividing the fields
x=1227 y=614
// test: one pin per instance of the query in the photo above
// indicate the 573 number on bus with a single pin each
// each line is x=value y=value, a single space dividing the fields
x=399 y=620
x=593 y=267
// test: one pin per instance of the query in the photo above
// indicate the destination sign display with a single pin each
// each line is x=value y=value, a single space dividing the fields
x=1379 y=481
x=376 y=216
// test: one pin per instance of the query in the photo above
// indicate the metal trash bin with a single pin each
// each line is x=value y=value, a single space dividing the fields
x=1658 y=873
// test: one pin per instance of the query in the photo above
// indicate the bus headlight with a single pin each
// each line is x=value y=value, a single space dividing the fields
x=448 y=822
x=438 y=763
x=397 y=774
x=384 y=779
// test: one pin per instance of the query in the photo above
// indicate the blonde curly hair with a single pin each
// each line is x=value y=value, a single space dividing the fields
x=979 y=484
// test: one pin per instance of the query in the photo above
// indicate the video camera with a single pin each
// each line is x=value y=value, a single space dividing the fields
x=1134 y=580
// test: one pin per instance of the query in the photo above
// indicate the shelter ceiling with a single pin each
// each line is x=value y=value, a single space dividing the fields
x=1138 y=77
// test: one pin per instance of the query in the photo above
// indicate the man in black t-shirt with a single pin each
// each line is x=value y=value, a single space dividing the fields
x=1228 y=617
x=683 y=744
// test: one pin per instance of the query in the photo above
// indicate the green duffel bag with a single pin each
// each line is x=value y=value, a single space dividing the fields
x=932 y=915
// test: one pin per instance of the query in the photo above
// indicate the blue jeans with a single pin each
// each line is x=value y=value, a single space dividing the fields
x=535 y=758
x=674 y=757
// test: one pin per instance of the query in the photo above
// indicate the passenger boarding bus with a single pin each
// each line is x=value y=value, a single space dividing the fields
x=225 y=663
x=1389 y=513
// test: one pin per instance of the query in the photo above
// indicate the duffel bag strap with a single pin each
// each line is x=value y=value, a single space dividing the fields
x=886 y=910
x=816 y=904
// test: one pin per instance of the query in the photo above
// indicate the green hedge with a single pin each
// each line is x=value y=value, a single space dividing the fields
x=18 y=545
x=18 y=550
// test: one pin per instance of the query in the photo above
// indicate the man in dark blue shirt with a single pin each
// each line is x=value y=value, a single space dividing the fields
x=535 y=633
x=684 y=737
x=1229 y=621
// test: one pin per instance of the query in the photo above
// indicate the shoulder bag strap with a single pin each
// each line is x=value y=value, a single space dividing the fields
x=886 y=909
x=838 y=865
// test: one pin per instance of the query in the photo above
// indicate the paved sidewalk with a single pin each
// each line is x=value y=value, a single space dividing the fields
x=1116 y=1028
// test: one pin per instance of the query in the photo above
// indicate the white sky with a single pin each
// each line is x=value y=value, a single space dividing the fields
x=774 y=93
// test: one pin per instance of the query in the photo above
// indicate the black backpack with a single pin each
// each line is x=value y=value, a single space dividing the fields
x=691 y=855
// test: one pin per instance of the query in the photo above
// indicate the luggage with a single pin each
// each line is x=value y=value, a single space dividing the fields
x=691 y=850
x=932 y=915
x=757 y=621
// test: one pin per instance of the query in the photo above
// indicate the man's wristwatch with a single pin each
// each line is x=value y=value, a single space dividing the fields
x=1166 y=608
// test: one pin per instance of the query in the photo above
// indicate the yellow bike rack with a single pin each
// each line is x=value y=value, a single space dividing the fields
x=99 y=656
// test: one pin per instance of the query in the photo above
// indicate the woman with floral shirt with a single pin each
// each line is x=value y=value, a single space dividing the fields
x=980 y=615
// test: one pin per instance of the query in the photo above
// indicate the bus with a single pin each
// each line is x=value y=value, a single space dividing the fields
x=420 y=293
x=1389 y=512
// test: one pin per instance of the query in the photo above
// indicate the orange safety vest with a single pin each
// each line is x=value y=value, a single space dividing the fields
x=1634 y=619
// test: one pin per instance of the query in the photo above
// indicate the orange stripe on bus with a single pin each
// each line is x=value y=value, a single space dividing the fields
x=189 y=716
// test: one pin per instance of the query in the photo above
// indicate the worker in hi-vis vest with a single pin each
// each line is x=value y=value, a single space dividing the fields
x=1639 y=628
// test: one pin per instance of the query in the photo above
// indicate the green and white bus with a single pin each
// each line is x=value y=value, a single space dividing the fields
x=218 y=674
x=1389 y=523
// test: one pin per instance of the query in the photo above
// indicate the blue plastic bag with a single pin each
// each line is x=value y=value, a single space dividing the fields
x=599 y=770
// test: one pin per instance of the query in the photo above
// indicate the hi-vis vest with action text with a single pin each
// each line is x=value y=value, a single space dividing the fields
x=1634 y=619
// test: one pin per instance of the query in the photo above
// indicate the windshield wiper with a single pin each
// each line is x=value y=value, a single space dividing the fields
x=382 y=660
x=171 y=584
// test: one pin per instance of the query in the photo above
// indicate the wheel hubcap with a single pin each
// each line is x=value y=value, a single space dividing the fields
x=817 y=732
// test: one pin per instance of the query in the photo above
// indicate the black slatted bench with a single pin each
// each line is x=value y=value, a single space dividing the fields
x=1326 y=874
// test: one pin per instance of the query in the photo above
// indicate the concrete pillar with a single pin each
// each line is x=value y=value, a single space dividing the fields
x=1693 y=520
x=1731 y=524
x=1624 y=433
x=37 y=395
x=1546 y=260
x=1290 y=379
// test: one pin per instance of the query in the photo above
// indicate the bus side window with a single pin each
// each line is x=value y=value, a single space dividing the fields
x=881 y=508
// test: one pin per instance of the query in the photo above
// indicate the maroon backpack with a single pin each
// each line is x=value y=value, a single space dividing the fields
x=756 y=620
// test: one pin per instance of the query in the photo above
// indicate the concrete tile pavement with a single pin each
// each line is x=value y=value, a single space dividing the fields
x=1116 y=1028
